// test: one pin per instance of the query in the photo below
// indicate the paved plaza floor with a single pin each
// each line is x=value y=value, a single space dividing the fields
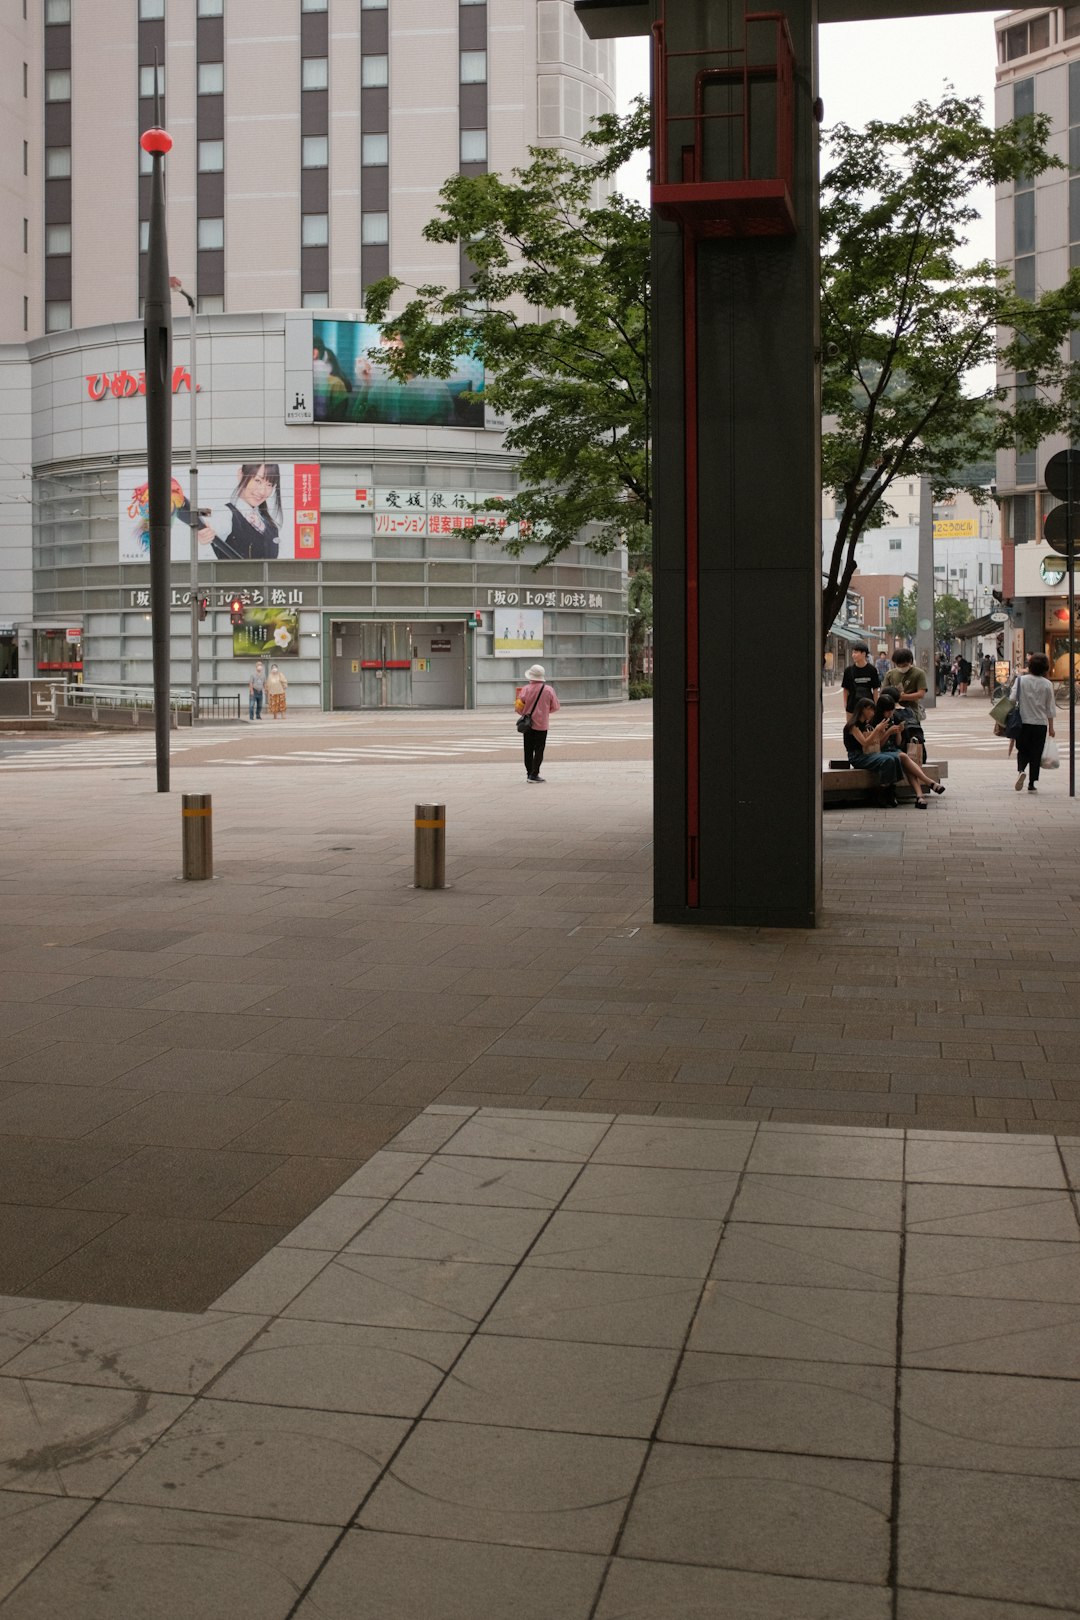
x=370 y=1252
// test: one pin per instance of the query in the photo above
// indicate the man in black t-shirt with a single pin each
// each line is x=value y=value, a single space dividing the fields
x=861 y=679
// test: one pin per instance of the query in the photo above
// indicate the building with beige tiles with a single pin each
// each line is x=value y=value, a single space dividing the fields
x=311 y=139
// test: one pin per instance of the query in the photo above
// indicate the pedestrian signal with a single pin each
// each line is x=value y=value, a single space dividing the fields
x=204 y=603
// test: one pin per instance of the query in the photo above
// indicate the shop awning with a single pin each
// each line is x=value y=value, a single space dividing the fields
x=986 y=626
x=845 y=634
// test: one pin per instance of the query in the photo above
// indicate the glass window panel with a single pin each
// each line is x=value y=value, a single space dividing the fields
x=57 y=315
x=315 y=151
x=474 y=146
x=144 y=236
x=315 y=300
x=210 y=8
x=314 y=73
x=374 y=229
x=211 y=157
x=151 y=10
x=374 y=72
x=146 y=162
x=474 y=67
x=1024 y=277
x=1024 y=98
x=146 y=80
x=1039 y=32
x=375 y=151
x=211 y=303
x=211 y=78
x=1014 y=42
x=57 y=239
x=315 y=230
x=312 y=5
x=211 y=232
x=57 y=11
x=1071 y=25
x=58 y=85
x=1024 y=222
x=1074 y=144
x=372 y=5
x=57 y=162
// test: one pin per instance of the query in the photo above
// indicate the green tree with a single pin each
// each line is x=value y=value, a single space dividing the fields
x=905 y=324
x=639 y=607
x=557 y=310
x=950 y=615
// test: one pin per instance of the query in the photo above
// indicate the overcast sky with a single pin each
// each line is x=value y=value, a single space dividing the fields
x=876 y=70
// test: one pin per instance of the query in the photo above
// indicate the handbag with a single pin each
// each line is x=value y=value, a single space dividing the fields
x=524 y=721
x=1013 y=721
x=1051 y=757
x=1001 y=710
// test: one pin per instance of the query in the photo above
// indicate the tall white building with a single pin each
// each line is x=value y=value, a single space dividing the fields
x=1038 y=240
x=311 y=140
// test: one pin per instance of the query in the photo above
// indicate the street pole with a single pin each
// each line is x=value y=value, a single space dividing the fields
x=925 y=651
x=193 y=495
x=1070 y=558
x=157 y=349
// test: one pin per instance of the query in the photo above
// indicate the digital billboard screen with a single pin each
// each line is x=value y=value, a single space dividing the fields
x=352 y=385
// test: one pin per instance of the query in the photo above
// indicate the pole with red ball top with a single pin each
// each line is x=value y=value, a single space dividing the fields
x=157 y=341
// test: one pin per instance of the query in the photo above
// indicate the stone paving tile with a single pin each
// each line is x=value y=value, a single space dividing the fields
x=651 y=1245
x=341 y=1367
x=513 y=1486
x=67 y=1440
x=518 y=1184
x=545 y=1384
x=593 y=1307
x=266 y=1462
x=542 y=1138
x=992 y=1335
x=128 y=1562
x=161 y=1352
x=810 y=1257
x=387 y=1291
x=1001 y=1212
x=449 y=1232
x=610 y=1189
x=33 y=1241
x=171 y=1181
x=962 y=1161
x=990 y=1535
x=782 y=1200
x=30 y=1526
x=636 y=1590
x=993 y=1424
x=371 y=1576
x=24 y=1320
x=802 y=1324
x=874 y=1157
x=992 y=1268
x=673 y=1148
x=782 y=1515
x=764 y=1404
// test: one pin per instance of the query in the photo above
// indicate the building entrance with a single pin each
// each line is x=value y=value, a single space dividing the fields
x=397 y=664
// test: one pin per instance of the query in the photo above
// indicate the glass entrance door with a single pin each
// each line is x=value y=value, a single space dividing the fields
x=371 y=664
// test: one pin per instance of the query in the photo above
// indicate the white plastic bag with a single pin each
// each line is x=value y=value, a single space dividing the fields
x=1051 y=759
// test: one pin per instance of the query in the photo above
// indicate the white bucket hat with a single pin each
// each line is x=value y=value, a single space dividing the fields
x=535 y=672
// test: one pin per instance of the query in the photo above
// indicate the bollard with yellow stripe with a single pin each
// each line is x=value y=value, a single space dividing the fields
x=429 y=847
x=196 y=822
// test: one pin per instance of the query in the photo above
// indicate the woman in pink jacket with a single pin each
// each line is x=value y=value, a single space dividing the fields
x=538 y=700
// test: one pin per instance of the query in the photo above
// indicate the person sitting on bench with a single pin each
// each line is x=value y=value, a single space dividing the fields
x=865 y=743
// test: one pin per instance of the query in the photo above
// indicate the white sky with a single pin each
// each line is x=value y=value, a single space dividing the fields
x=874 y=70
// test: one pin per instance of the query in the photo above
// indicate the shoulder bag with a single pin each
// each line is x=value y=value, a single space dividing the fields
x=524 y=721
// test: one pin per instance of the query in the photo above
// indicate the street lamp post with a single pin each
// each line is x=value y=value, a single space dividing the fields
x=157 y=348
x=193 y=493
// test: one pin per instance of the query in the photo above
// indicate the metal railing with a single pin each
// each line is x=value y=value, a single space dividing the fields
x=97 y=697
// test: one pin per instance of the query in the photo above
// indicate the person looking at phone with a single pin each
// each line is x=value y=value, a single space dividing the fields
x=866 y=742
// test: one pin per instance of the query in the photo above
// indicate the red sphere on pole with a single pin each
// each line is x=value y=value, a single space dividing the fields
x=156 y=140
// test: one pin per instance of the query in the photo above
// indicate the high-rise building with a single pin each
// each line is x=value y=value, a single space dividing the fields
x=311 y=140
x=1038 y=240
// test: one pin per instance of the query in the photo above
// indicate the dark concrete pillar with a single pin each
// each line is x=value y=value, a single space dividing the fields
x=738 y=833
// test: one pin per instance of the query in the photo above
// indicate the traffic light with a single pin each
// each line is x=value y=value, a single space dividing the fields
x=204 y=603
x=236 y=610
x=478 y=618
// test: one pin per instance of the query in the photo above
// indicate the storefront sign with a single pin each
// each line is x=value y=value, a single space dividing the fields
x=441 y=645
x=519 y=634
x=129 y=384
x=956 y=529
x=221 y=596
x=1057 y=614
x=548 y=599
x=267 y=633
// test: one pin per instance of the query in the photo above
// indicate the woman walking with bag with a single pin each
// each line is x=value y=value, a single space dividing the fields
x=535 y=704
x=1034 y=697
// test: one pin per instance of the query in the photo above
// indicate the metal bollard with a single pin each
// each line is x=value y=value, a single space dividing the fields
x=429 y=852
x=198 y=838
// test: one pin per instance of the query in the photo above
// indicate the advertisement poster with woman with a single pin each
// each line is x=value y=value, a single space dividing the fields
x=352 y=385
x=257 y=511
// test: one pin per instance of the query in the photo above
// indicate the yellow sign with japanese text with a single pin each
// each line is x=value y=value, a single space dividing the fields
x=956 y=529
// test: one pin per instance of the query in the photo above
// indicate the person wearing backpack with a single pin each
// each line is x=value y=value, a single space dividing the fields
x=536 y=703
x=1033 y=695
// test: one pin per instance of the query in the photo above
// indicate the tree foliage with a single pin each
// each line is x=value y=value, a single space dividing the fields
x=950 y=615
x=906 y=324
x=558 y=312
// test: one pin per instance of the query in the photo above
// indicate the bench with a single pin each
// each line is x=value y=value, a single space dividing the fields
x=840 y=784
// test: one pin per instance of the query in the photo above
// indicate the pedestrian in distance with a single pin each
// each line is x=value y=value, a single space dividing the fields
x=1033 y=694
x=276 y=686
x=861 y=679
x=910 y=682
x=881 y=664
x=963 y=676
x=881 y=733
x=539 y=702
x=256 y=688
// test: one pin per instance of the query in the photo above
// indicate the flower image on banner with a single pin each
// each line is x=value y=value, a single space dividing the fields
x=519 y=632
x=248 y=512
x=350 y=385
x=267 y=633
